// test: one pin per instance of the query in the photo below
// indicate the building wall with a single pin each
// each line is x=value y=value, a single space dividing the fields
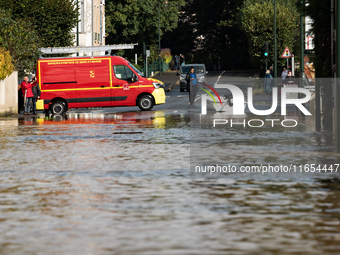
x=9 y=95
x=92 y=24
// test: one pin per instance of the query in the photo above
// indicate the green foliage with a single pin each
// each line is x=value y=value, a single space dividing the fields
x=26 y=25
x=137 y=66
x=6 y=66
x=52 y=19
x=154 y=53
x=20 y=39
x=257 y=20
x=208 y=32
x=132 y=21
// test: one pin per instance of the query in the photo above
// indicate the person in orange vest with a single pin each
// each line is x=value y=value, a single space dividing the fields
x=28 y=94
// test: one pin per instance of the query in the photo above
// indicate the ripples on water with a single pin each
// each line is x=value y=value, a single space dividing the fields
x=77 y=186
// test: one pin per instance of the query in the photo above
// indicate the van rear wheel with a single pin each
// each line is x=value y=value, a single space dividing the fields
x=58 y=107
x=146 y=103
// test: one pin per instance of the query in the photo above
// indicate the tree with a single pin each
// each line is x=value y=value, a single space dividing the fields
x=257 y=20
x=132 y=21
x=53 y=20
x=26 y=25
x=20 y=39
x=208 y=31
x=6 y=66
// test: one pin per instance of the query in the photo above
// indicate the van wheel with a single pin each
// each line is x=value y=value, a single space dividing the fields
x=58 y=107
x=145 y=103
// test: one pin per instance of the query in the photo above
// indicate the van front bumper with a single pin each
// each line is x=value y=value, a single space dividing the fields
x=159 y=96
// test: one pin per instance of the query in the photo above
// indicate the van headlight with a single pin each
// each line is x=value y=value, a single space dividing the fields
x=157 y=85
x=182 y=78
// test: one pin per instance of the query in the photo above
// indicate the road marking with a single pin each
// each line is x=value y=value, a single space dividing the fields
x=218 y=79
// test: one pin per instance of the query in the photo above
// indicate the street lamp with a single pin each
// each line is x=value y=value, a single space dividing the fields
x=337 y=87
x=77 y=25
x=302 y=44
x=275 y=60
x=159 y=34
x=159 y=39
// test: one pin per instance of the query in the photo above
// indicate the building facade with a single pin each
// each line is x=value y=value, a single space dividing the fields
x=91 y=27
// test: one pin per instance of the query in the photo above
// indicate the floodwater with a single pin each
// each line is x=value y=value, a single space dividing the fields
x=121 y=184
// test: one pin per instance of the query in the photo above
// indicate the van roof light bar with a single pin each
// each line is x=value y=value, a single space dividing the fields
x=70 y=50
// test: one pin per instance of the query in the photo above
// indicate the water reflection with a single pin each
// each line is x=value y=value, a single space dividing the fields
x=96 y=141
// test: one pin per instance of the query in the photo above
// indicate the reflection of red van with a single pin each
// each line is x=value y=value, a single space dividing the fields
x=95 y=82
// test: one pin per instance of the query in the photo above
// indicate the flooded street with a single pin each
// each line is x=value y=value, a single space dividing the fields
x=96 y=183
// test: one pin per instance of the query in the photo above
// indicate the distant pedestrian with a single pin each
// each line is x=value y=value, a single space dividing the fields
x=268 y=83
x=271 y=69
x=28 y=94
x=183 y=63
x=20 y=100
x=36 y=93
x=289 y=77
x=182 y=59
x=191 y=86
x=284 y=73
x=176 y=59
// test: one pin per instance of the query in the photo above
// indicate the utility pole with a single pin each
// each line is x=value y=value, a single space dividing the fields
x=302 y=44
x=159 y=34
x=266 y=51
x=337 y=87
x=275 y=57
x=144 y=59
x=77 y=26
x=159 y=39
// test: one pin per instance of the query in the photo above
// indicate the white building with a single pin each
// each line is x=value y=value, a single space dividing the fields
x=91 y=28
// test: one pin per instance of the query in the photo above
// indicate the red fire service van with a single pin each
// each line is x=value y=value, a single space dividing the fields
x=102 y=81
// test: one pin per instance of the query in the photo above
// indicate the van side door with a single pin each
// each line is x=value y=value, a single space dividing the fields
x=93 y=85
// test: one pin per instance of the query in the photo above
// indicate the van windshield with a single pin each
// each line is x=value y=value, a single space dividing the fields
x=136 y=70
x=198 y=69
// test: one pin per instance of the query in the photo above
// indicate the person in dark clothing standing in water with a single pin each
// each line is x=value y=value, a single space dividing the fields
x=191 y=86
x=20 y=100
x=36 y=93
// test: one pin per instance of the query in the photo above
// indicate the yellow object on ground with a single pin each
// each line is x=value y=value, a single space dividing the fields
x=40 y=104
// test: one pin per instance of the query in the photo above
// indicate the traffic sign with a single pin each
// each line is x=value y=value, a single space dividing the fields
x=286 y=53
